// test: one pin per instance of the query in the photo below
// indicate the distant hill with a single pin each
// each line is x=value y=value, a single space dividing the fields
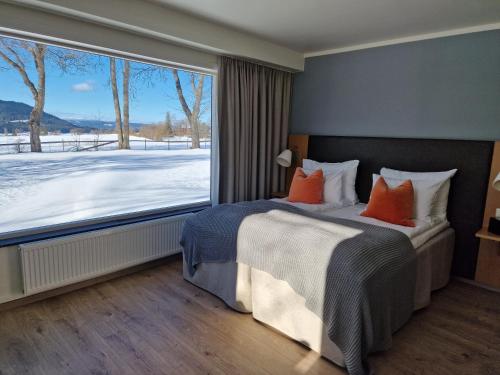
x=103 y=125
x=15 y=115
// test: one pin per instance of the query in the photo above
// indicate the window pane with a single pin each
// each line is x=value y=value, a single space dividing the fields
x=86 y=136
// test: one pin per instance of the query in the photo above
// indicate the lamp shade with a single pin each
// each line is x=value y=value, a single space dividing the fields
x=285 y=158
x=496 y=182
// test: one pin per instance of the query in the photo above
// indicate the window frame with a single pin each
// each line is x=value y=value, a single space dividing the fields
x=92 y=224
x=89 y=225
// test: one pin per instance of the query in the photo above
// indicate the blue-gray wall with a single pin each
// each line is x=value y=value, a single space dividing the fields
x=440 y=88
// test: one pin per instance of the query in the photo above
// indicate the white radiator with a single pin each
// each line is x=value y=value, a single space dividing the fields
x=65 y=260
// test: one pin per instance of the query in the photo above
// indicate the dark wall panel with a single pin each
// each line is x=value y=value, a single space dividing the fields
x=468 y=186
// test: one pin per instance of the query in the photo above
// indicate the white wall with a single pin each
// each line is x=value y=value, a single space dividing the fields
x=132 y=27
x=155 y=21
x=66 y=31
x=11 y=284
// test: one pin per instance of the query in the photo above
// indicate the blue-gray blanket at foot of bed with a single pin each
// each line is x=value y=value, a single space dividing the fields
x=358 y=278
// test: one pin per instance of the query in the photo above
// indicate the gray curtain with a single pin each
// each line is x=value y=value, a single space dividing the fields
x=254 y=108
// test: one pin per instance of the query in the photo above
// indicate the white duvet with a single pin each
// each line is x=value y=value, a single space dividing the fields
x=418 y=235
x=309 y=207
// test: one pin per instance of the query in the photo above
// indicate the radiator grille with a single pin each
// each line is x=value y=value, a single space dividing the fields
x=57 y=262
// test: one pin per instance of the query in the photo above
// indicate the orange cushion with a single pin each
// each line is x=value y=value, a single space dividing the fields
x=391 y=205
x=306 y=189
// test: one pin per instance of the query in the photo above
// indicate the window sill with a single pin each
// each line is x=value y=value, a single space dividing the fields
x=59 y=230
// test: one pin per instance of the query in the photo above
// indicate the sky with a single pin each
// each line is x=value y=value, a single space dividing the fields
x=87 y=94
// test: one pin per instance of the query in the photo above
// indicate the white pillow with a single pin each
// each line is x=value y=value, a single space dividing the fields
x=350 y=168
x=424 y=191
x=332 y=188
x=441 y=204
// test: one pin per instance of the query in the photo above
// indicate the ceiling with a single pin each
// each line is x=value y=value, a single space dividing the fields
x=315 y=25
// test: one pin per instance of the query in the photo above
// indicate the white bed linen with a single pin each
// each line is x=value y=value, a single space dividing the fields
x=320 y=207
x=418 y=235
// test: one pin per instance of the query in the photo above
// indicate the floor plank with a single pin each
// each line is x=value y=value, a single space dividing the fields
x=154 y=322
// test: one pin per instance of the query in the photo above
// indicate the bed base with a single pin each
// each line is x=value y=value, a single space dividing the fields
x=274 y=303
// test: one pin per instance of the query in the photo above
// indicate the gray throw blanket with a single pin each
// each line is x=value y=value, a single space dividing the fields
x=359 y=278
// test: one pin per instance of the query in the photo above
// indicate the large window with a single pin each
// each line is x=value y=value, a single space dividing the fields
x=86 y=136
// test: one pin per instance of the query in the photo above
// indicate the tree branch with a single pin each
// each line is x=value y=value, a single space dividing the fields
x=16 y=55
x=180 y=94
x=198 y=94
x=193 y=83
x=38 y=55
x=33 y=54
x=22 y=72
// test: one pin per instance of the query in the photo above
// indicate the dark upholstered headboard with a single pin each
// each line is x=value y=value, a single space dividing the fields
x=468 y=186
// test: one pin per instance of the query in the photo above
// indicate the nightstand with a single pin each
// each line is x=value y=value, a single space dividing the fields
x=488 y=257
x=279 y=194
x=485 y=235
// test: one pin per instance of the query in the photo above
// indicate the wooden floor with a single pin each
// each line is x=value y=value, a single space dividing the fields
x=154 y=322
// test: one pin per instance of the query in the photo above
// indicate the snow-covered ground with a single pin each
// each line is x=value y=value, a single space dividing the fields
x=10 y=144
x=39 y=189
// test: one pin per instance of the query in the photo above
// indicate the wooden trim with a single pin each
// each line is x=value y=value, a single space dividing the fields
x=493 y=196
x=299 y=145
x=488 y=259
x=407 y=39
x=484 y=234
x=84 y=284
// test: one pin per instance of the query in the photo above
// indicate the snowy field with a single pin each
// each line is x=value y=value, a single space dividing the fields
x=39 y=189
x=10 y=144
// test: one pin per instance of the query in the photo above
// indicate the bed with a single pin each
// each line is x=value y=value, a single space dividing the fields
x=278 y=303
x=275 y=303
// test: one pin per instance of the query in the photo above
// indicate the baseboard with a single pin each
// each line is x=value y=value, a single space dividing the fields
x=475 y=283
x=22 y=301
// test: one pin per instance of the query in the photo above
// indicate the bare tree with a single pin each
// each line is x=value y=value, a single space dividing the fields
x=191 y=99
x=121 y=125
x=116 y=101
x=126 y=89
x=19 y=55
x=192 y=114
x=11 y=55
x=169 y=128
